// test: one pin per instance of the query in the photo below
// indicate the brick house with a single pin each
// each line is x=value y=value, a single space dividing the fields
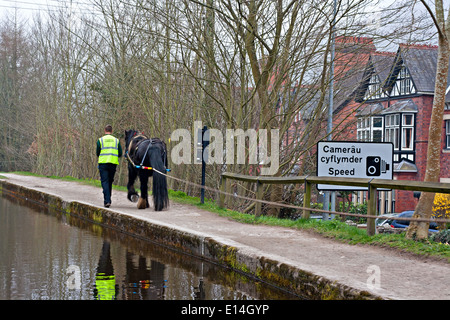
x=390 y=100
x=352 y=54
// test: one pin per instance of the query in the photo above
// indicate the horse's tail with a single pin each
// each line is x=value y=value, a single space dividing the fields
x=160 y=193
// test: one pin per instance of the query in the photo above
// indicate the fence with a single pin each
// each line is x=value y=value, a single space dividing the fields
x=372 y=184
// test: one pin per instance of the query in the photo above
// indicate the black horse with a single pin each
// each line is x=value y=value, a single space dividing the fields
x=143 y=154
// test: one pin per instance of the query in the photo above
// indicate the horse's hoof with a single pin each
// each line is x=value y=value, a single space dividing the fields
x=143 y=203
x=133 y=197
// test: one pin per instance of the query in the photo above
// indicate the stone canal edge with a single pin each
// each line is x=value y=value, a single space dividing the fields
x=280 y=270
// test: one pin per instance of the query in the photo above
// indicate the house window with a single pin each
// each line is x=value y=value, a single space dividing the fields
x=377 y=129
x=447 y=134
x=392 y=129
x=399 y=129
x=363 y=129
x=407 y=132
x=370 y=129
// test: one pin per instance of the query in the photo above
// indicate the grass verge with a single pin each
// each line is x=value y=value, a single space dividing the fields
x=333 y=229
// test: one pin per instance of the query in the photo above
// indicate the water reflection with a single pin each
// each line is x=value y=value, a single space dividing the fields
x=105 y=281
x=39 y=247
x=145 y=279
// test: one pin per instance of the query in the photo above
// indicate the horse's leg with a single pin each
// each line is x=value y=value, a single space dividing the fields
x=132 y=174
x=143 y=200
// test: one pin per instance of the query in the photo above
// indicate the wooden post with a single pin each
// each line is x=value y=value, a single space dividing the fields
x=307 y=200
x=227 y=190
x=223 y=184
x=371 y=210
x=259 y=195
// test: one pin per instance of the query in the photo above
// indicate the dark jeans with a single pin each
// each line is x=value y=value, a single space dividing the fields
x=107 y=172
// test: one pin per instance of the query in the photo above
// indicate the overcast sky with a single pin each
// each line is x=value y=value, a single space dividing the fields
x=27 y=8
x=30 y=7
x=33 y=6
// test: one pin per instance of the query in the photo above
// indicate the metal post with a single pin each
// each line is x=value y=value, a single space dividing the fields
x=202 y=195
x=205 y=143
x=330 y=108
x=332 y=194
x=326 y=205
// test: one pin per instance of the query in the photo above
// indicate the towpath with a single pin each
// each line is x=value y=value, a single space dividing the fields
x=401 y=276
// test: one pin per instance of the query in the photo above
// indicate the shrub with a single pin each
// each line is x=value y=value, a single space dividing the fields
x=357 y=209
x=441 y=208
x=442 y=236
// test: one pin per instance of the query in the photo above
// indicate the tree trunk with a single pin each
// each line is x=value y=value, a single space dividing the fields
x=419 y=230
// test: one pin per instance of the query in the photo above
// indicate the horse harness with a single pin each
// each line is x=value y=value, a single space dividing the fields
x=134 y=150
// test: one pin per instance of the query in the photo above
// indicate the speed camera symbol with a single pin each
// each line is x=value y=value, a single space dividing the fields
x=375 y=166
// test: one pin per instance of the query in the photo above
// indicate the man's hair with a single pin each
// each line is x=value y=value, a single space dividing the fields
x=108 y=128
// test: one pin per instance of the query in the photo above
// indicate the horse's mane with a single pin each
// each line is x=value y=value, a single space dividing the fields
x=134 y=140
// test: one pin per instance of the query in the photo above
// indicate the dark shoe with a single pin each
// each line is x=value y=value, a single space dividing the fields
x=107 y=205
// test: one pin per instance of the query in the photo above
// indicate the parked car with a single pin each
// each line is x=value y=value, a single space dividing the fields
x=385 y=219
x=405 y=223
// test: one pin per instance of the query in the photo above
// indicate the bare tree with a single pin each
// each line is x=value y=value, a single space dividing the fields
x=16 y=122
x=268 y=61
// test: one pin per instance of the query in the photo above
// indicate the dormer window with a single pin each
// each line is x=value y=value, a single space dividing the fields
x=404 y=84
x=374 y=90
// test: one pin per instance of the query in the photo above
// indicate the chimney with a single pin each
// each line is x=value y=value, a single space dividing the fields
x=347 y=44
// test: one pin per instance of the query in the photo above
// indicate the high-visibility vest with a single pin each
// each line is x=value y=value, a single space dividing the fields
x=109 y=150
x=106 y=287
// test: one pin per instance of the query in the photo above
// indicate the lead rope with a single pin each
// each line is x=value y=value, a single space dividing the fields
x=238 y=196
x=289 y=205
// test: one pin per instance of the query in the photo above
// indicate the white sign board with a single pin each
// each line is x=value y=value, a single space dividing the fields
x=354 y=160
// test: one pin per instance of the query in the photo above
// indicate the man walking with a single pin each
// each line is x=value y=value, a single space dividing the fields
x=108 y=152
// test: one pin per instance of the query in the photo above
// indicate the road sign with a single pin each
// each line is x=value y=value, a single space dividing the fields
x=354 y=160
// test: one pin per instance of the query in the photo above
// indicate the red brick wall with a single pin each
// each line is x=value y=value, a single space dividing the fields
x=424 y=104
x=405 y=199
x=344 y=123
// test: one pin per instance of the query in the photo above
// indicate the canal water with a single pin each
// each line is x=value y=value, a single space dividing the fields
x=53 y=256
